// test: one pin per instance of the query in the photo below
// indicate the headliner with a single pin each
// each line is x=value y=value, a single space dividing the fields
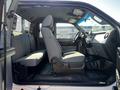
x=32 y=12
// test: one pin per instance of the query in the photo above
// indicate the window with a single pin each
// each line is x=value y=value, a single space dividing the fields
x=8 y=3
x=40 y=34
x=65 y=31
x=18 y=24
x=26 y=25
x=95 y=25
x=22 y=25
x=1 y=20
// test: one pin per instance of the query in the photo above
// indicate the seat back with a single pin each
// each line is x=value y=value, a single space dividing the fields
x=24 y=44
x=52 y=45
x=21 y=46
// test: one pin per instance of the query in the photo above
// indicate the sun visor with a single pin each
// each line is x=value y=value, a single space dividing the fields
x=78 y=12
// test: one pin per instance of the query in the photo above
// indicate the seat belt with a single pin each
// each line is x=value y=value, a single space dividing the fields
x=30 y=39
x=36 y=35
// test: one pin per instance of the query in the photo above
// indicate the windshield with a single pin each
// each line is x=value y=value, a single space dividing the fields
x=94 y=24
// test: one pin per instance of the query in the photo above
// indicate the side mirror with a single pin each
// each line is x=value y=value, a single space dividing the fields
x=14 y=22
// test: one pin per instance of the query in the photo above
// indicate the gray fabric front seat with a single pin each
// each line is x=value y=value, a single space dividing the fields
x=69 y=62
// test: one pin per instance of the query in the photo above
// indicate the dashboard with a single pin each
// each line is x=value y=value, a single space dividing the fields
x=97 y=43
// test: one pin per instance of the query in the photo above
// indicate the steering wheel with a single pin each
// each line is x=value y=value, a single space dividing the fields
x=78 y=36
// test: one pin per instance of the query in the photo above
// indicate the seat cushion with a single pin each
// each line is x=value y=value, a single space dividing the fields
x=31 y=60
x=74 y=58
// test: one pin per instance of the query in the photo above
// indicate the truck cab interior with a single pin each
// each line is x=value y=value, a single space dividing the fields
x=63 y=44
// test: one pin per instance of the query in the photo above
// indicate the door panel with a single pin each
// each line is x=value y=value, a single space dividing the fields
x=1 y=47
x=67 y=45
x=118 y=59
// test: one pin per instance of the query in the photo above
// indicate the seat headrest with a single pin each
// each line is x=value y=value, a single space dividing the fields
x=48 y=22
